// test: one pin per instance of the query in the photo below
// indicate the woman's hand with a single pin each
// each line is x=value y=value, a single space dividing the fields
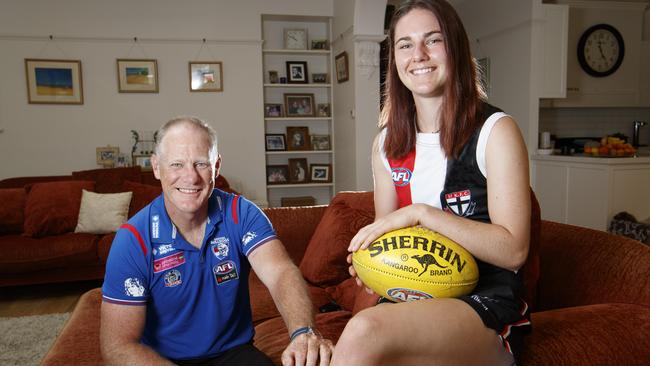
x=404 y=217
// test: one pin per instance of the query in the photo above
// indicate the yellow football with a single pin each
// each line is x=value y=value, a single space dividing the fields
x=415 y=263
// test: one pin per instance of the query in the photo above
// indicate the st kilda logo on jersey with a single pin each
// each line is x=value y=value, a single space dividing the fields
x=401 y=176
x=460 y=203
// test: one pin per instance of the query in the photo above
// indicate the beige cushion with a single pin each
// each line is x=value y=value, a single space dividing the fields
x=102 y=213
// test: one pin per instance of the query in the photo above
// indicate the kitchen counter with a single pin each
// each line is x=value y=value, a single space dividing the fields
x=586 y=159
x=588 y=191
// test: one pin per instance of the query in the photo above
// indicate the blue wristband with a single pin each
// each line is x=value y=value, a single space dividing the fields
x=300 y=331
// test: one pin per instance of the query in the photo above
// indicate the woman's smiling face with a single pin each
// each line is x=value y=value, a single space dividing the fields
x=420 y=53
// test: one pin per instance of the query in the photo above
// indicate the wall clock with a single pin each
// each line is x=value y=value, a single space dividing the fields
x=295 y=39
x=601 y=50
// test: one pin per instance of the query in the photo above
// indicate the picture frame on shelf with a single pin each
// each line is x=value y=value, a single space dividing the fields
x=143 y=161
x=342 y=70
x=319 y=78
x=297 y=201
x=320 y=142
x=107 y=156
x=298 y=171
x=297 y=72
x=298 y=138
x=206 y=76
x=295 y=39
x=273 y=77
x=299 y=104
x=320 y=44
x=273 y=110
x=137 y=76
x=320 y=173
x=275 y=142
x=54 y=81
x=277 y=174
x=323 y=110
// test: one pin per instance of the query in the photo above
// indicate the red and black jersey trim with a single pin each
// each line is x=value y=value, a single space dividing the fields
x=137 y=235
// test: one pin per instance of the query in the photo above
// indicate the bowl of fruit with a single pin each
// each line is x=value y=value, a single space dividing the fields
x=609 y=147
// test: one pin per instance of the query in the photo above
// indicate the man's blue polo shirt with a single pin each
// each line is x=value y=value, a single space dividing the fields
x=197 y=299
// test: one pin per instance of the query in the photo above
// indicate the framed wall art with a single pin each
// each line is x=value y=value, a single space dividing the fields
x=342 y=72
x=54 y=81
x=297 y=72
x=298 y=138
x=277 y=174
x=319 y=78
x=275 y=142
x=143 y=161
x=320 y=142
x=323 y=109
x=298 y=170
x=299 y=105
x=320 y=173
x=107 y=156
x=206 y=76
x=319 y=44
x=273 y=110
x=137 y=76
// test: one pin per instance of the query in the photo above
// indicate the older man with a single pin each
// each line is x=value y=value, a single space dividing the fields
x=176 y=285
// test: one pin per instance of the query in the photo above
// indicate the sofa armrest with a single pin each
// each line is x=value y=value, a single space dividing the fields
x=295 y=226
x=581 y=266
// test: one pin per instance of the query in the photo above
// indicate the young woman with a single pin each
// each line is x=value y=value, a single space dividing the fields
x=464 y=174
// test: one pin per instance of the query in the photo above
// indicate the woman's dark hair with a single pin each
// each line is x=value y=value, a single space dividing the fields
x=462 y=95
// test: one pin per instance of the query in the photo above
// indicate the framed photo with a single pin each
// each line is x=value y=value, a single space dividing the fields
x=323 y=110
x=320 y=142
x=137 y=76
x=298 y=170
x=272 y=110
x=273 y=77
x=107 y=156
x=298 y=138
x=295 y=39
x=297 y=201
x=320 y=173
x=299 y=105
x=275 y=142
x=277 y=174
x=342 y=72
x=319 y=44
x=54 y=81
x=297 y=72
x=143 y=161
x=319 y=78
x=206 y=76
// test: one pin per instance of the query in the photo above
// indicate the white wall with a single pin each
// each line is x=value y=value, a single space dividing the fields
x=502 y=31
x=57 y=139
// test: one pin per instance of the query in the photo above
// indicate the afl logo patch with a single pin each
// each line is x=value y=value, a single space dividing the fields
x=407 y=294
x=224 y=272
x=401 y=176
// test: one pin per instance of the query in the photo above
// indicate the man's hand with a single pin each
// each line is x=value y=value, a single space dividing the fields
x=307 y=349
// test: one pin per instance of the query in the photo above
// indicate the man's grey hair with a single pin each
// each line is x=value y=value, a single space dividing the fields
x=194 y=121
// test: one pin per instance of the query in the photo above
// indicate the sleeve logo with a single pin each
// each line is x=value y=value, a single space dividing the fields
x=133 y=287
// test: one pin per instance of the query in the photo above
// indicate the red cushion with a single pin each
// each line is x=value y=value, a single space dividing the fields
x=324 y=262
x=143 y=194
x=109 y=180
x=12 y=210
x=53 y=208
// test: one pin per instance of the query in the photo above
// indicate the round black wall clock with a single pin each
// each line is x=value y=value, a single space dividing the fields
x=601 y=50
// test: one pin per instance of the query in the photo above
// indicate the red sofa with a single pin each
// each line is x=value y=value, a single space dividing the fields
x=589 y=290
x=38 y=216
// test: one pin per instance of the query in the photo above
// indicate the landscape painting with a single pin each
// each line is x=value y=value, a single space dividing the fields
x=54 y=81
x=137 y=76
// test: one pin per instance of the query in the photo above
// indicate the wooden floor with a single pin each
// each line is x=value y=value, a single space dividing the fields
x=42 y=299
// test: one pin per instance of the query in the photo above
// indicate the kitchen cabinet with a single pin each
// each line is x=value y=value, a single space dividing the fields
x=622 y=88
x=555 y=37
x=589 y=191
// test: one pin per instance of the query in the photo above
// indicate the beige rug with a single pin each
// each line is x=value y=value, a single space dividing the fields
x=25 y=340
